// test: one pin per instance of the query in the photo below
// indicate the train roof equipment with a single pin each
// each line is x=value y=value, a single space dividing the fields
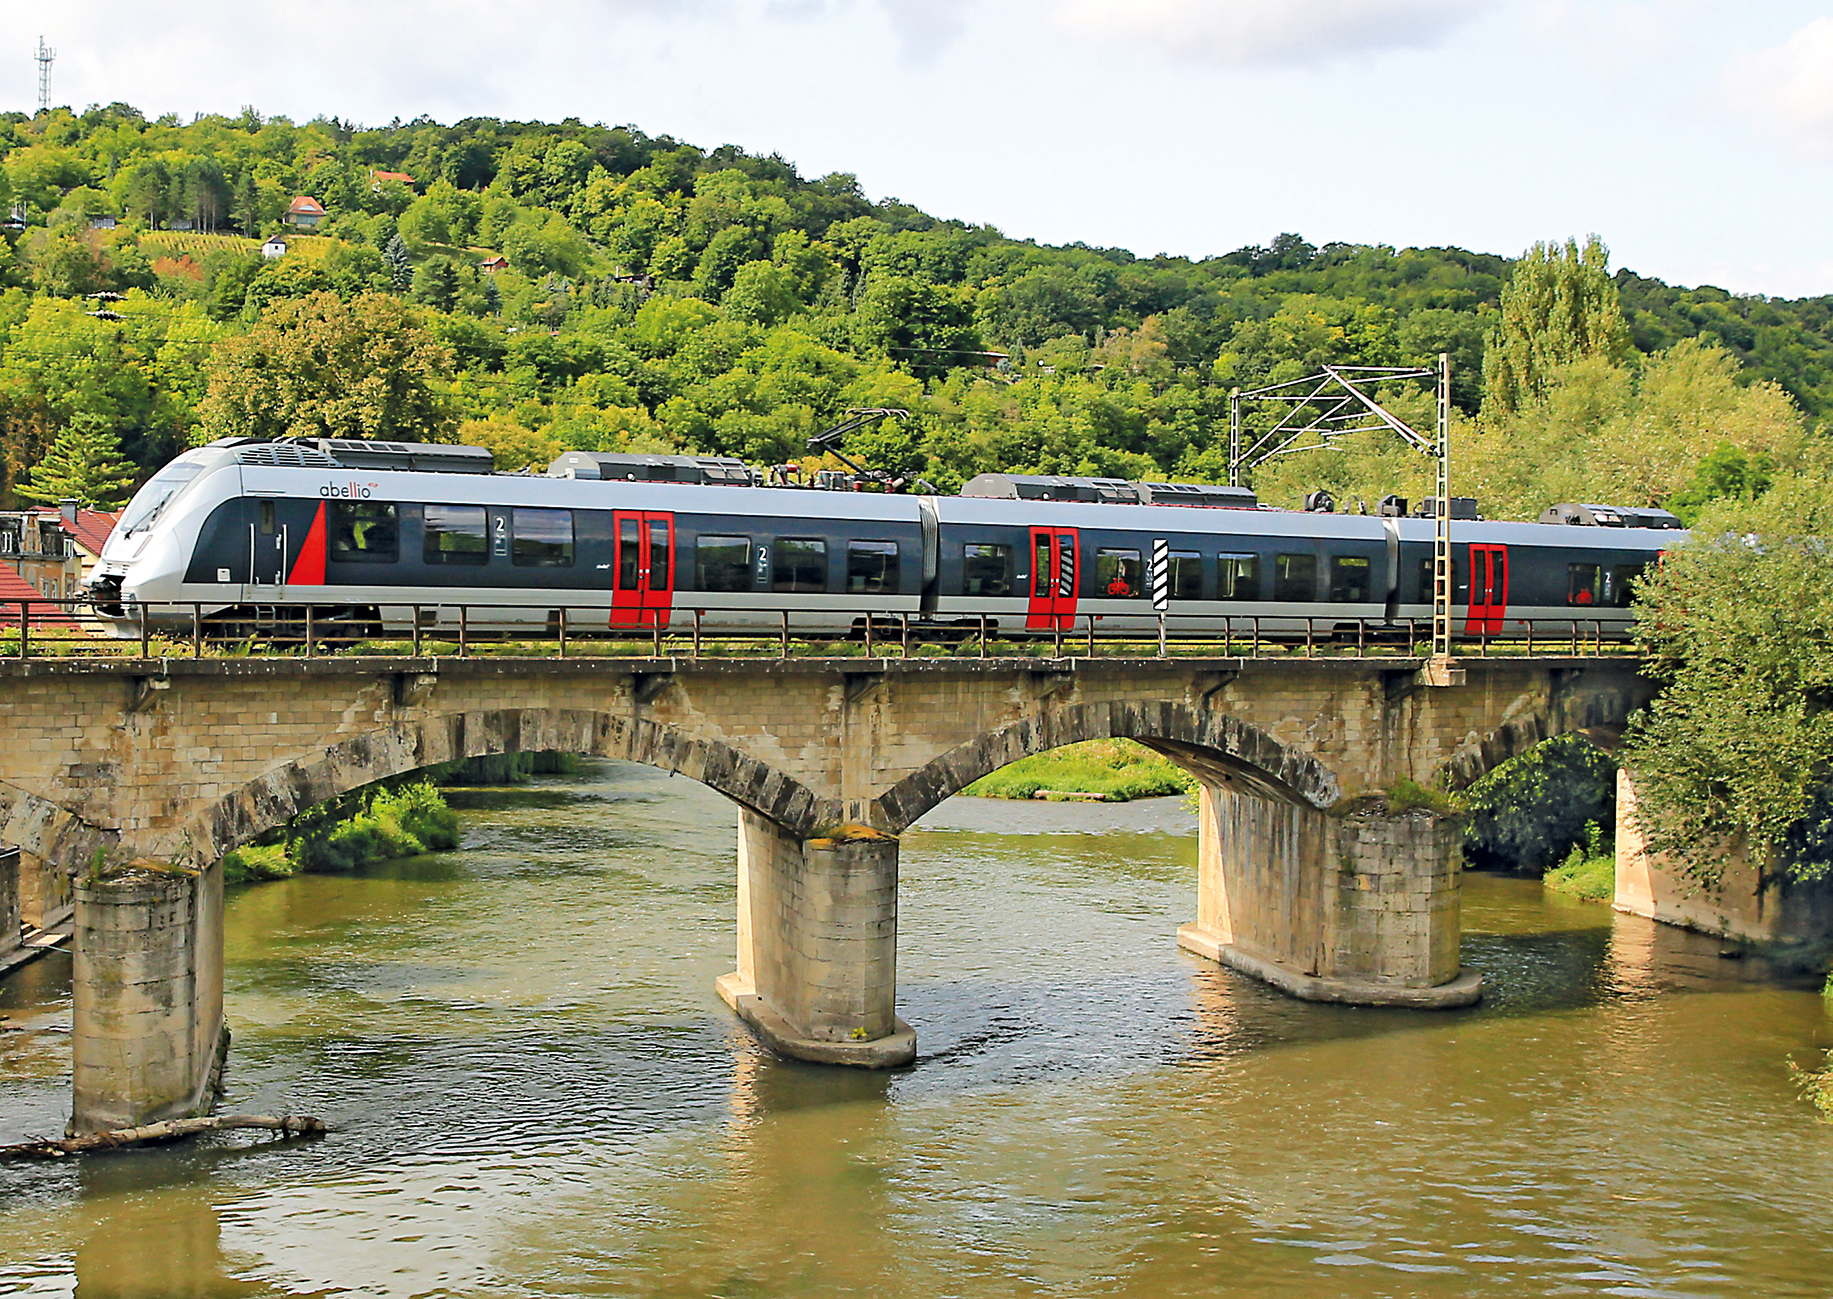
x=405 y=457
x=1611 y=516
x=641 y=468
x=1109 y=491
x=1205 y=495
x=1463 y=508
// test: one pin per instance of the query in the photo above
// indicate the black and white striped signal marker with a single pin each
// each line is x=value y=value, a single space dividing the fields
x=1161 y=574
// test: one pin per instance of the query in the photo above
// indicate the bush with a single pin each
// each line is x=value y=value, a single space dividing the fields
x=1589 y=870
x=1118 y=769
x=373 y=825
x=1533 y=809
x=252 y=864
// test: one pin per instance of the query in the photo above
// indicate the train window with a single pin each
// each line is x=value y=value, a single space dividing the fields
x=661 y=550
x=1349 y=579
x=456 y=534
x=1043 y=572
x=543 y=538
x=1584 y=584
x=871 y=568
x=722 y=563
x=1238 y=578
x=1617 y=584
x=267 y=518
x=1186 y=575
x=364 y=532
x=1460 y=584
x=1295 y=578
x=986 y=569
x=798 y=564
x=1118 y=574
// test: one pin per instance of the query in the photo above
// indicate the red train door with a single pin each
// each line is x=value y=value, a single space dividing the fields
x=1056 y=561
x=1488 y=590
x=643 y=574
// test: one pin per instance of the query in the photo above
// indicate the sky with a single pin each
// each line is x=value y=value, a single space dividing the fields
x=1694 y=136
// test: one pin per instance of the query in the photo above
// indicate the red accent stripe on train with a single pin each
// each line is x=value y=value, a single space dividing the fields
x=309 y=568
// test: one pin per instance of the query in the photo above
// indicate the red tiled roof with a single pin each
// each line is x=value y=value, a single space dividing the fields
x=14 y=588
x=305 y=203
x=91 y=529
x=401 y=176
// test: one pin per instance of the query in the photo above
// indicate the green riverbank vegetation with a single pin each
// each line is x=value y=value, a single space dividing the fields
x=368 y=825
x=1589 y=871
x=1118 y=770
x=403 y=818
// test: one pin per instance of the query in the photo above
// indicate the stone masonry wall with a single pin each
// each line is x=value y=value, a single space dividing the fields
x=183 y=766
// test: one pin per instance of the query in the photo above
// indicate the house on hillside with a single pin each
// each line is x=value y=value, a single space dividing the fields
x=102 y=223
x=377 y=179
x=492 y=264
x=274 y=247
x=54 y=549
x=303 y=213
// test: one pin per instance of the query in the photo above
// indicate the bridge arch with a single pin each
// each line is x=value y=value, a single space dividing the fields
x=52 y=833
x=354 y=761
x=1214 y=744
x=1600 y=714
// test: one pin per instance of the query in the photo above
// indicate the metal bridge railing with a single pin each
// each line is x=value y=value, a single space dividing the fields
x=79 y=630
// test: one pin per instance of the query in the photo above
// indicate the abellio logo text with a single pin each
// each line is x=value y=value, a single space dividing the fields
x=348 y=491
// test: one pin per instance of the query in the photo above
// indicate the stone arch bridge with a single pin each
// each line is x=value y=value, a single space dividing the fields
x=135 y=777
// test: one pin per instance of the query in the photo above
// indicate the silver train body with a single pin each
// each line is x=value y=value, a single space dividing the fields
x=242 y=535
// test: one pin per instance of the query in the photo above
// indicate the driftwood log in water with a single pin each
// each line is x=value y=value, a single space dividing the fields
x=171 y=1130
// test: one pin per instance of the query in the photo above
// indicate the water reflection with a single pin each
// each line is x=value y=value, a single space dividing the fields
x=535 y=1091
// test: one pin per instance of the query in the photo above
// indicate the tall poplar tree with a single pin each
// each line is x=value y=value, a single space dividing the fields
x=1561 y=306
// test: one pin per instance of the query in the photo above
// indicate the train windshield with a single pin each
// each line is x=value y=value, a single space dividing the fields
x=150 y=501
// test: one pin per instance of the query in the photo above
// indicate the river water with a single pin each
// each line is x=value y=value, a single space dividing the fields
x=535 y=1091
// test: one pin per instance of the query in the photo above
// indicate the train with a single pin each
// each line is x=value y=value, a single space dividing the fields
x=382 y=538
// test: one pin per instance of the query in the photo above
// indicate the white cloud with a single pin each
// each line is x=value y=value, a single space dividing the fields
x=926 y=27
x=1790 y=86
x=1268 y=32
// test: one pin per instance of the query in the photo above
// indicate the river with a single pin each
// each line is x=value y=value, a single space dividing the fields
x=535 y=1091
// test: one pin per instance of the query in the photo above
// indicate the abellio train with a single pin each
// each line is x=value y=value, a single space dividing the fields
x=372 y=536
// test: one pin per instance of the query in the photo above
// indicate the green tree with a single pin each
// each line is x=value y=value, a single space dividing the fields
x=1560 y=307
x=436 y=283
x=400 y=263
x=1737 y=751
x=1530 y=811
x=84 y=464
x=320 y=367
x=63 y=265
x=1727 y=473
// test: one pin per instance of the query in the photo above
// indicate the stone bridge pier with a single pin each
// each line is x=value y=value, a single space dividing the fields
x=135 y=778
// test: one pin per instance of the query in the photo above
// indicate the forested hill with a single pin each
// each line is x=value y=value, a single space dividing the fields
x=537 y=287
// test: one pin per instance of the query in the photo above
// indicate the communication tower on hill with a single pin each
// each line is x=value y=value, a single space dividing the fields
x=45 y=55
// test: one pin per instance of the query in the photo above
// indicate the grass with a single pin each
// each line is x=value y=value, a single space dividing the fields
x=1589 y=871
x=1119 y=770
x=1409 y=795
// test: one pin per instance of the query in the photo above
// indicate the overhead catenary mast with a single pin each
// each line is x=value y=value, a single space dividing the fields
x=45 y=55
